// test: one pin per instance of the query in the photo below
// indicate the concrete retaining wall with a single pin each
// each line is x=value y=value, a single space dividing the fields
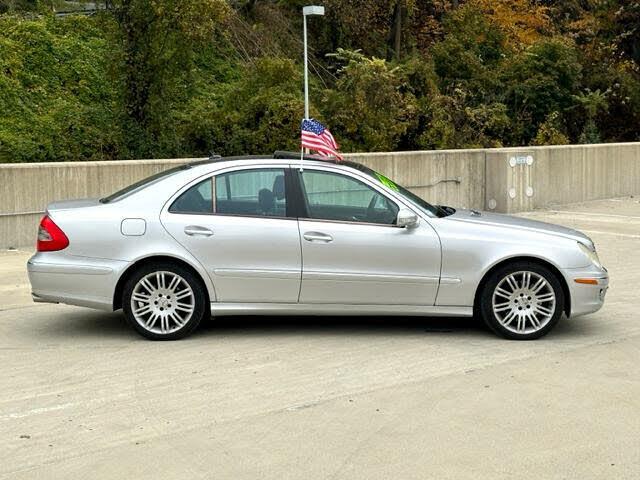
x=523 y=179
x=27 y=188
x=504 y=180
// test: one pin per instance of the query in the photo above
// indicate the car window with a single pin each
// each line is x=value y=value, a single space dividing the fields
x=198 y=199
x=332 y=196
x=245 y=192
x=251 y=192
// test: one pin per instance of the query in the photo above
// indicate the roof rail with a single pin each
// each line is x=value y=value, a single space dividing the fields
x=281 y=154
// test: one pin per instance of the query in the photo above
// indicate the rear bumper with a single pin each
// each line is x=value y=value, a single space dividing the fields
x=586 y=298
x=86 y=282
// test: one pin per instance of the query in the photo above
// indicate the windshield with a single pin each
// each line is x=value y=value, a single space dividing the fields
x=423 y=205
x=142 y=183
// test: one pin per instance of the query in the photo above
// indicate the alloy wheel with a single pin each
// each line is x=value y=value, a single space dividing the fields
x=162 y=302
x=523 y=302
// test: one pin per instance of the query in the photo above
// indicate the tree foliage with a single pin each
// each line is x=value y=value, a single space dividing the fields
x=161 y=78
x=157 y=41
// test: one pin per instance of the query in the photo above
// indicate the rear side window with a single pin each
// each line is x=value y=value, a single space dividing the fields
x=251 y=192
x=256 y=192
x=198 y=199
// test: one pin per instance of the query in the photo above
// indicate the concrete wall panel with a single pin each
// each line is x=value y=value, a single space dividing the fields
x=481 y=178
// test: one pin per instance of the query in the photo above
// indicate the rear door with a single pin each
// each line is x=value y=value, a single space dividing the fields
x=353 y=253
x=239 y=225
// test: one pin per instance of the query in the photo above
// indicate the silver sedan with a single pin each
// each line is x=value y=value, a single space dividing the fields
x=258 y=235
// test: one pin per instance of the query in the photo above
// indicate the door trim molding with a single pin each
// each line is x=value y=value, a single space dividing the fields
x=368 y=277
x=255 y=273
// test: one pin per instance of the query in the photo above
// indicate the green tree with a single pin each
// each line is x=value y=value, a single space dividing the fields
x=470 y=52
x=367 y=109
x=538 y=81
x=156 y=45
x=551 y=131
x=592 y=103
x=259 y=112
x=56 y=99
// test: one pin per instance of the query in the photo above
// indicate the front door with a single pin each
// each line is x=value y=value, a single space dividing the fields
x=352 y=251
x=237 y=224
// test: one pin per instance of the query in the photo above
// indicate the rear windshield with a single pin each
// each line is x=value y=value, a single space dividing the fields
x=142 y=183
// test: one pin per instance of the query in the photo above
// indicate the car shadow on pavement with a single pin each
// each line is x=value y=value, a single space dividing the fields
x=337 y=325
x=90 y=324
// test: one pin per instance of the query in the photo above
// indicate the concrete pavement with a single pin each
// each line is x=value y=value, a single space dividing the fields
x=82 y=396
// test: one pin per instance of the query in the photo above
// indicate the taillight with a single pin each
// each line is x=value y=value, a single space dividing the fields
x=50 y=237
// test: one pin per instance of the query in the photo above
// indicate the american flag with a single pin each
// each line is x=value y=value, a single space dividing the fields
x=316 y=136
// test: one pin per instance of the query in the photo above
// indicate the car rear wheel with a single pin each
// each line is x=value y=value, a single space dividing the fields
x=522 y=301
x=164 y=301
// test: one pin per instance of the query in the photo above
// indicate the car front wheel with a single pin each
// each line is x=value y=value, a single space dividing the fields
x=164 y=301
x=522 y=301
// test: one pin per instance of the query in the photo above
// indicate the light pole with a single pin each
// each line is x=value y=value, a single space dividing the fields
x=308 y=10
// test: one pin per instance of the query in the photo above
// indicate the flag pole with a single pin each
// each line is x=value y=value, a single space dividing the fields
x=306 y=69
x=306 y=82
x=308 y=10
x=301 y=154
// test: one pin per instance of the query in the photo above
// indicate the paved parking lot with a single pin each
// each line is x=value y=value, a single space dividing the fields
x=82 y=396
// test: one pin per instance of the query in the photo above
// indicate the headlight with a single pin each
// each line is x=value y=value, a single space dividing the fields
x=593 y=256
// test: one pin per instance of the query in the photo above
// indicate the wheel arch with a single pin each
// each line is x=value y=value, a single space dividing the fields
x=539 y=261
x=131 y=269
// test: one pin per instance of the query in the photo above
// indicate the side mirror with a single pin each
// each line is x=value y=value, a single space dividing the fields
x=407 y=219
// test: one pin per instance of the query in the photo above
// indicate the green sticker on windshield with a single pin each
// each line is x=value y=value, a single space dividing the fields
x=387 y=182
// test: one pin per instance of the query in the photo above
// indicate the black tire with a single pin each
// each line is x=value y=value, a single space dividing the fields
x=485 y=300
x=199 y=300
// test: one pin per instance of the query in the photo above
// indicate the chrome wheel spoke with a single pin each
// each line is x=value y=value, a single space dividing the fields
x=543 y=310
x=547 y=297
x=141 y=297
x=176 y=319
x=540 y=284
x=147 y=285
x=534 y=320
x=184 y=307
x=151 y=321
x=143 y=310
x=509 y=318
x=502 y=292
x=512 y=283
x=501 y=307
x=175 y=281
x=183 y=294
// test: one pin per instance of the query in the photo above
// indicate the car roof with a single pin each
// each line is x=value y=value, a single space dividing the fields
x=215 y=160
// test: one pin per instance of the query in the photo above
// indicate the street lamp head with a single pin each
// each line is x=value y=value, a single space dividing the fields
x=313 y=10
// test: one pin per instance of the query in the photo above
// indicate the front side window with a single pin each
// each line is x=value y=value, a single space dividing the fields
x=258 y=192
x=332 y=196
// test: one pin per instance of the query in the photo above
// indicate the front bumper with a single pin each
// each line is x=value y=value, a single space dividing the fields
x=586 y=298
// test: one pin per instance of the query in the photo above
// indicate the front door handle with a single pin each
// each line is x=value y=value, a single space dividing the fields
x=195 y=230
x=317 y=237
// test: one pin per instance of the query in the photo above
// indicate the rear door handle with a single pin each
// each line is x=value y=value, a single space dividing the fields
x=195 y=230
x=317 y=237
